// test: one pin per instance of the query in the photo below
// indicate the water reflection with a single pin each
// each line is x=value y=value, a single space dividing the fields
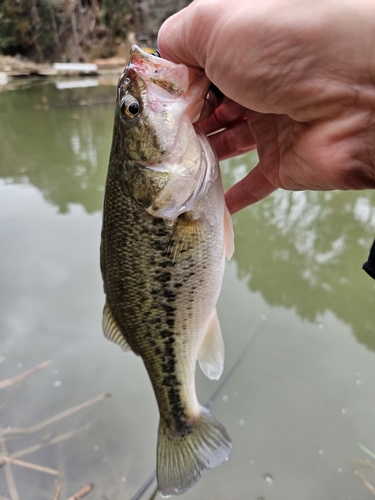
x=304 y=250
x=56 y=141
x=302 y=397
x=301 y=251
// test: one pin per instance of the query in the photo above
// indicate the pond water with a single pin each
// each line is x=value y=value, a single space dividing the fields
x=297 y=313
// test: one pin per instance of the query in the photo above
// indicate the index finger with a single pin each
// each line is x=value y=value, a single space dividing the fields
x=226 y=115
x=251 y=189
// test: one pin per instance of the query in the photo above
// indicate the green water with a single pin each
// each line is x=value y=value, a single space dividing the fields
x=297 y=314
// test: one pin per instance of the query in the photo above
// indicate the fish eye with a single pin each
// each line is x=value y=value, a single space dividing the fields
x=130 y=107
x=133 y=109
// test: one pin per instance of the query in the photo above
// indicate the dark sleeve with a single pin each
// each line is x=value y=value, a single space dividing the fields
x=369 y=266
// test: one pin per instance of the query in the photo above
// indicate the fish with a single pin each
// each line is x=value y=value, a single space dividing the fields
x=165 y=234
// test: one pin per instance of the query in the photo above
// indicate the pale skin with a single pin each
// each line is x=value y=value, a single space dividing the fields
x=299 y=83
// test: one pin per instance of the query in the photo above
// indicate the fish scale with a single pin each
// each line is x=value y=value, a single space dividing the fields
x=162 y=261
x=142 y=296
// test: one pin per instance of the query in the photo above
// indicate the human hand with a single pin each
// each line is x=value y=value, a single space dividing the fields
x=299 y=76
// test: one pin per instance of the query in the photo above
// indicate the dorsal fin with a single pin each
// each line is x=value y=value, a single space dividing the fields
x=211 y=352
x=112 y=331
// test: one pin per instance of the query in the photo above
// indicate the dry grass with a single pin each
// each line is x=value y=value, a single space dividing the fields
x=7 y=460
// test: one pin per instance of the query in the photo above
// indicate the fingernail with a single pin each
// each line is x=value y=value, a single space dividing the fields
x=212 y=101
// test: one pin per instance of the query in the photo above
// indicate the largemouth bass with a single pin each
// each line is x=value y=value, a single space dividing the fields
x=165 y=234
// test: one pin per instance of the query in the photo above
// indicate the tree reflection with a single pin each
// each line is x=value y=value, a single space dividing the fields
x=56 y=141
x=304 y=250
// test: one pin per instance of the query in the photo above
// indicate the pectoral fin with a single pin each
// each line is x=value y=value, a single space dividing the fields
x=112 y=331
x=228 y=234
x=211 y=353
x=186 y=237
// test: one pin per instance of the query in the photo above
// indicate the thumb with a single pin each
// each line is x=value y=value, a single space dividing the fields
x=179 y=37
x=252 y=188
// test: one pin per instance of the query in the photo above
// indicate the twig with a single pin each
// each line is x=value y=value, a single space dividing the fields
x=145 y=486
x=52 y=420
x=9 y=474
x=154 y=493
x=366 y=450
x=365 y=463
x=17 y=378
x=36 y=447
x=61 y=466
x=58 y=489
x=11 y=484
x=29 y=465
x=367 y=483
x=82 y=493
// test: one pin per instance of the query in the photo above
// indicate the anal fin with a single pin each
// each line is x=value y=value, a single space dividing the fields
x=112 y=331
x=211 y=353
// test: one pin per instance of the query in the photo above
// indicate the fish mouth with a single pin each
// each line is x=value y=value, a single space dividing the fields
x=166 y=74
x=177 y=79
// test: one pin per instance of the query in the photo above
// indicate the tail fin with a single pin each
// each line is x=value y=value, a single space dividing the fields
x=182 y=459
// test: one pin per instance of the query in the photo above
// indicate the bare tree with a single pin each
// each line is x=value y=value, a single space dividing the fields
x=150 y=14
